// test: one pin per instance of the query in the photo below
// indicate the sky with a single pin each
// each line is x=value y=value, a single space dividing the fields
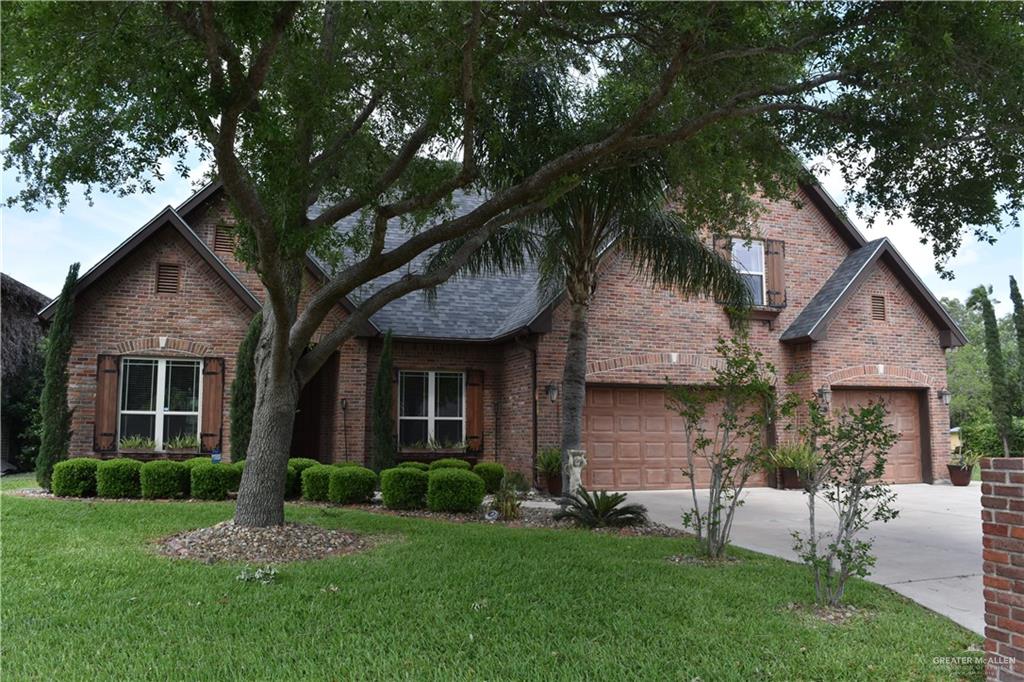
x=37 y=247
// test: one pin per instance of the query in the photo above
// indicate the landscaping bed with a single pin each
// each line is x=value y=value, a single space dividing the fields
x=278 y=544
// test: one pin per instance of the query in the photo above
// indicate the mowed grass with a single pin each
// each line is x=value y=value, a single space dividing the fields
x=85 y=598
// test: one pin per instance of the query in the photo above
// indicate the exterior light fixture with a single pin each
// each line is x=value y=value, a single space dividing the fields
x=825 y=395
x=552 y=392
x=945 y=396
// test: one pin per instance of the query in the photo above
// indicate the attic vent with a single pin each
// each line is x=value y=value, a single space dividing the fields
x=223 y=239
x=878 y=307
x=168 y=278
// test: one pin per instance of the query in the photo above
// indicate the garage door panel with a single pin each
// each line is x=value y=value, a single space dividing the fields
x=904 y=459
x=634 y=442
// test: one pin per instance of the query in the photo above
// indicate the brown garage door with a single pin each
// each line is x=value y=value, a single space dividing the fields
x=634 y=443
x=904 y=465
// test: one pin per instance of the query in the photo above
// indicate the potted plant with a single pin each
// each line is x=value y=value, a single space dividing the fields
x=184 y=443
x=792 y=461
x=549 y=468
x=961 y=466
x=136 y=445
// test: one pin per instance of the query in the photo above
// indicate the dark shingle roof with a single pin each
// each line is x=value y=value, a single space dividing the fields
x=466 y=307
x=814 y=313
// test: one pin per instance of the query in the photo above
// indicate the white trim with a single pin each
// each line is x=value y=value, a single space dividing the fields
x=160 y=410
x=431 y=417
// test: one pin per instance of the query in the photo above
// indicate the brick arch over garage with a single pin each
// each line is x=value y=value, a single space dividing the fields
x=903 y=375
x=669 y=359
x=164 y=344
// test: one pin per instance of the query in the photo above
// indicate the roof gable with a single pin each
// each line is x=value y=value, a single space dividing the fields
x=168 y=216
x=813 y=321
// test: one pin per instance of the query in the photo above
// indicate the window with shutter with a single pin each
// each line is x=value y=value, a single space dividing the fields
x=878 y=307
x=431 y=409
x=223 y=239
x=775 y=272
x=168 y=278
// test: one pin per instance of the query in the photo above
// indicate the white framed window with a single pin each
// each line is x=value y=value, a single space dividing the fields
x=748 y=259
x=431 y=409
x=159 y=399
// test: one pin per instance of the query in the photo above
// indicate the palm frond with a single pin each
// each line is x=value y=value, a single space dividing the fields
x=508 y=250
x=671 y=254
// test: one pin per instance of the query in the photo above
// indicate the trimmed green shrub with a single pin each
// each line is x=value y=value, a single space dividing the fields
x=492 y=473
x=449 y=463
x=351 y=485
x=210 y=481
x=74 y=477
x=164 y=479
x=404 y=488
x=118 y=478
x=302 y=463
x=292 y=483
x=420 y=466
x=347 y=464
x=235 y=470
x=194 y=461
x=454 y=490
x=315 y=482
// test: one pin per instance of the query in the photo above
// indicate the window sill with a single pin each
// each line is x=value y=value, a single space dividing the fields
x=424 y=453
x=763 y=312
x=158 y=454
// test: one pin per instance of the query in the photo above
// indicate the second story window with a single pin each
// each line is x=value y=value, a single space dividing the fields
x=748 y=257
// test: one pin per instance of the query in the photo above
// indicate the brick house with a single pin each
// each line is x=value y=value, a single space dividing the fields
x=159 y=320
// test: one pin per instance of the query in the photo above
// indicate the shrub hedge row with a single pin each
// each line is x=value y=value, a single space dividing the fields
x=351 y=485
x=118 y=478
x=449 y=463
x=404 y=487
x=164 y=479
x=74 y=477
x=454 y=490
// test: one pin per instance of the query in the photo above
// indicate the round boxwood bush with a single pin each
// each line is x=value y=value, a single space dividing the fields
x=234 y=475
x=302 y=463
x=315 y=482
x=420 y=466
x=403 y=488
x=454 y=490
x=195 y=461
x=449 y=463
x=348 y=463
x=74 y=477
x=164 y=479
x=118 y=478
x=492 y=473
x=351 y=485
x=292 y=483
x=210 y=481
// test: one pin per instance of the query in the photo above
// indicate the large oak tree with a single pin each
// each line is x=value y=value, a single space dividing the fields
x=385 y=109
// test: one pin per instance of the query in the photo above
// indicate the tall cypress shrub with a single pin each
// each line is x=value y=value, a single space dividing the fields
x=54 y=414
x=382 y=454
x=243 y=390
x=1018 y=327
x=1001 y=395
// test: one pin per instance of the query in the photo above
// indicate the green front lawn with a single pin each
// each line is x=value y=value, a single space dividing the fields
x=84 y=597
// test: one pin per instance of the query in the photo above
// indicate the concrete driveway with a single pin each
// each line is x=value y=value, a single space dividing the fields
x=931 y=553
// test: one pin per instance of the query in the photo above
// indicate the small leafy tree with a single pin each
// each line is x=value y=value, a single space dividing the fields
x=1001 y=394
x=732 y=449
x=851 y=451
x=382 y=455
x=1018 y=328
x=54 y=415
x=243 y=390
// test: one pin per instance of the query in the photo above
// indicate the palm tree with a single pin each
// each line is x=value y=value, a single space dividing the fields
x=625 y=209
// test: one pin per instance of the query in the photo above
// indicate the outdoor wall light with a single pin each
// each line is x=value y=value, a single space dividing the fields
x=825 y=395
x=945 y=396
x=552 y=391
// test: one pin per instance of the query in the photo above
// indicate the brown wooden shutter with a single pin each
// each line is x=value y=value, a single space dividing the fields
x=474 y=410
x=723 y=247
x=775 y=272
x=211 y=414
x=104 y=435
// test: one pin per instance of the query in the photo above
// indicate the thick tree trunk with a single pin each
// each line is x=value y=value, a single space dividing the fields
x=261 y=493
x=574 y=387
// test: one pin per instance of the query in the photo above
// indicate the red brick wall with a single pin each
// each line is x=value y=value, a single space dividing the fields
x=123 y=315
x=1002 y=523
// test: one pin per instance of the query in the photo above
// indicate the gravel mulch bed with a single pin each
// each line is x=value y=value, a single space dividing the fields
x=690 y=560
x=833 y=615
x=274 y=545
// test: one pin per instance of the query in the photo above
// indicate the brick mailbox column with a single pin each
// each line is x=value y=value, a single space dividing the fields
x=1002 y=523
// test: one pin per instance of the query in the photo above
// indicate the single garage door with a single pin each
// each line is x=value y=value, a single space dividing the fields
x=634 y=443
x=904 y=465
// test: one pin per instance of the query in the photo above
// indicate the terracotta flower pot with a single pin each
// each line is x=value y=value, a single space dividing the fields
x=959 y=475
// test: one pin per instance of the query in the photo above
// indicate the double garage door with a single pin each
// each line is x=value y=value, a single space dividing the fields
x=633 y=442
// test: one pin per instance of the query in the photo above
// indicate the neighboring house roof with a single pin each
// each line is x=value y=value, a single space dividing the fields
x=812 y=322
x=21 y=330
x=168 y=216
